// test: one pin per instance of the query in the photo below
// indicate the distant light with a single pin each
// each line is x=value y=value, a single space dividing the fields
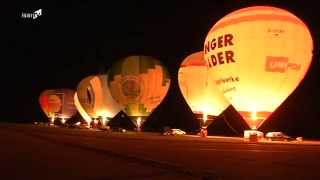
x=139 y=122
x=63 y=120
x=205 y=117
x=88 y=121
x=52 y=120
x=104 y=120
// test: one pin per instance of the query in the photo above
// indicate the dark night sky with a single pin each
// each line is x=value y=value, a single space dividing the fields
x=72 y=40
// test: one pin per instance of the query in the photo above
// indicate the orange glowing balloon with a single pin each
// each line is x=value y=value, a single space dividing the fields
x=201 y=96
x=58 y=103
x=257 y=56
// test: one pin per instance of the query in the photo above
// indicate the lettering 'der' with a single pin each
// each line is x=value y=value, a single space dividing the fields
x=219 y=57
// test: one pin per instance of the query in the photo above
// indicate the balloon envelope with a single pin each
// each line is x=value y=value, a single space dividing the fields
x=202 y=96
x=58 y=103
x=257 y=56
x=139 y=84
x=95 y=98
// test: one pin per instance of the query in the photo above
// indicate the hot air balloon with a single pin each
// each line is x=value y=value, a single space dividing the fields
x=139 y=84
x=80 y=109
x=257 y=56
x=202 y=96
x=95 y=98
x=58 y=103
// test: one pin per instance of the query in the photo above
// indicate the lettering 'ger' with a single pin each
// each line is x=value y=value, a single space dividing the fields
x=220 y=57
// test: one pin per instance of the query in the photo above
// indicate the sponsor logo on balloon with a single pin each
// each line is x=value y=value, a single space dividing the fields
x=280 y=64
x=276 y=32
x=131 y=87
x=223 y=57
x=227 y=80
x=228 y=90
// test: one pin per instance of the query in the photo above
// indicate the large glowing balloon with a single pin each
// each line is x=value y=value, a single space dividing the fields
x=202 y=96
x=58 y=103
x=139 y=83
x=80 y=109
x=94 y=96
x=257 y=56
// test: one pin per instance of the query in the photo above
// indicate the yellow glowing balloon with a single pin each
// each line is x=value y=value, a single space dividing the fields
x=257 y=56
x=139 y=84
x=202 y=97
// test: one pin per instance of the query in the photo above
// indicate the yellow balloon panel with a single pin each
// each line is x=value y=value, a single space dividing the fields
x=145 y=88
x=201 y=96
x=257 y=56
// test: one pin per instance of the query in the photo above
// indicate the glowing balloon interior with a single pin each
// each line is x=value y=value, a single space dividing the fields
x=58 y=103
x=95 y=98
x=139 y=84
x=80 y=109
x=257 y=56
x=202 y=96
x=86 y=96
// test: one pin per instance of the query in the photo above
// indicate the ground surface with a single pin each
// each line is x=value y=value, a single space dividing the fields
x=39 y=152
